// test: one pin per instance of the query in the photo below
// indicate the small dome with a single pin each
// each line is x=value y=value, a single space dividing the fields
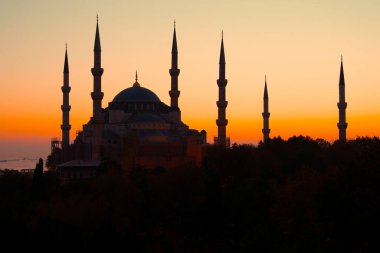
x=136 y=94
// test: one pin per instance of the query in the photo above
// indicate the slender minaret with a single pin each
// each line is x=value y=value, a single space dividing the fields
x=66 y=110
x=174 y=72
x=342 y=105
x=266 y=113
x=221 y=122
x=97 y=96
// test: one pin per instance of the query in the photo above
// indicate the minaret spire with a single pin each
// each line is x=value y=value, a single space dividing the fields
x=342 y=104
x=174 y=49
x=97 y=96
x=97 y=47
x=222 y=122
x=174 y=73
x=66 y=65
x=222 y=58
x=266 y=113
x=65 y=127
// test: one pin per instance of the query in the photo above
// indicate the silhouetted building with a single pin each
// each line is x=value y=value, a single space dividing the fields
x=78 y=170
x=222 y=122
x=266 y=113
x=342 y=105
x=136 y=129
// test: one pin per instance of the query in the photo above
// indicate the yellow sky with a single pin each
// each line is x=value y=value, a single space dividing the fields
x=296 y=43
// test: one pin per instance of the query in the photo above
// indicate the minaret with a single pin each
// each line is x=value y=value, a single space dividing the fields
x=221 y=122
x=66 y=110
x=97 y=96
x=174 y=72
x=342 y=105
x=266 y=113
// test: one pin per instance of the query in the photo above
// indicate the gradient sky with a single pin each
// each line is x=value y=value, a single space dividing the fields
x=297 y=44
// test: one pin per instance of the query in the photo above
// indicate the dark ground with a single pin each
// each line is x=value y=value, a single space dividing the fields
x=299 y=195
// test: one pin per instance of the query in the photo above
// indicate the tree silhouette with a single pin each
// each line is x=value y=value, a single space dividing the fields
x=295 y=195
x=38 y=180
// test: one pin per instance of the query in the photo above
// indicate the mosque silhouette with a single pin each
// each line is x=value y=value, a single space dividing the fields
x=138 y=129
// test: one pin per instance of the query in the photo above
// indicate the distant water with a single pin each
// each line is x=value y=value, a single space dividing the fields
x=22 y=153
x=19 y=164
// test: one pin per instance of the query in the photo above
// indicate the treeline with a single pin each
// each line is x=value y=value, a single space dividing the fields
x=295 y=195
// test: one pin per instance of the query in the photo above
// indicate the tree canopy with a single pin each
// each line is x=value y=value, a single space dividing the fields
x=295 y=195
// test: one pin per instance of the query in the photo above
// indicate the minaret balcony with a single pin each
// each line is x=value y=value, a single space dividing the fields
x=342 y=105
x=221 y=122
x=65 y=127
x=65 y=108
x=174 y=93
x=97 y=71
x=66 y=89
x=222 y=104
x=174 y=72
x=266 y=114
x=342 y=125
x=222 y=82
x=97 y=95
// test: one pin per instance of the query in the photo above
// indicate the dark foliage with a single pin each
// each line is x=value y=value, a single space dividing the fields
x=299 y=195
x=38 y=180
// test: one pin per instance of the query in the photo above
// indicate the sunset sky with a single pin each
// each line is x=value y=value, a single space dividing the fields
x=296 y=43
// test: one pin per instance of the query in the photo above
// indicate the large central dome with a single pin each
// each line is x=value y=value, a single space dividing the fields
x=136 y=94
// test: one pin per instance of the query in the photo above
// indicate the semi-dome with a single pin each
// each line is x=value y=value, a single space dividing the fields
x=136 y=94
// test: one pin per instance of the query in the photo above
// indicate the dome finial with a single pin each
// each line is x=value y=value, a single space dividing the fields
x=136 y=84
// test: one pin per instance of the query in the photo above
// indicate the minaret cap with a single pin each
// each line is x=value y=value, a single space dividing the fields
x=222 y=59
x=341 y=77
x=174 y=45
x=66 y=66
x=97 y=47
x=265 y=89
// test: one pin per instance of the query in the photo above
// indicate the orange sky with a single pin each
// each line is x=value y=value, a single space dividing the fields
x=296 y=43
